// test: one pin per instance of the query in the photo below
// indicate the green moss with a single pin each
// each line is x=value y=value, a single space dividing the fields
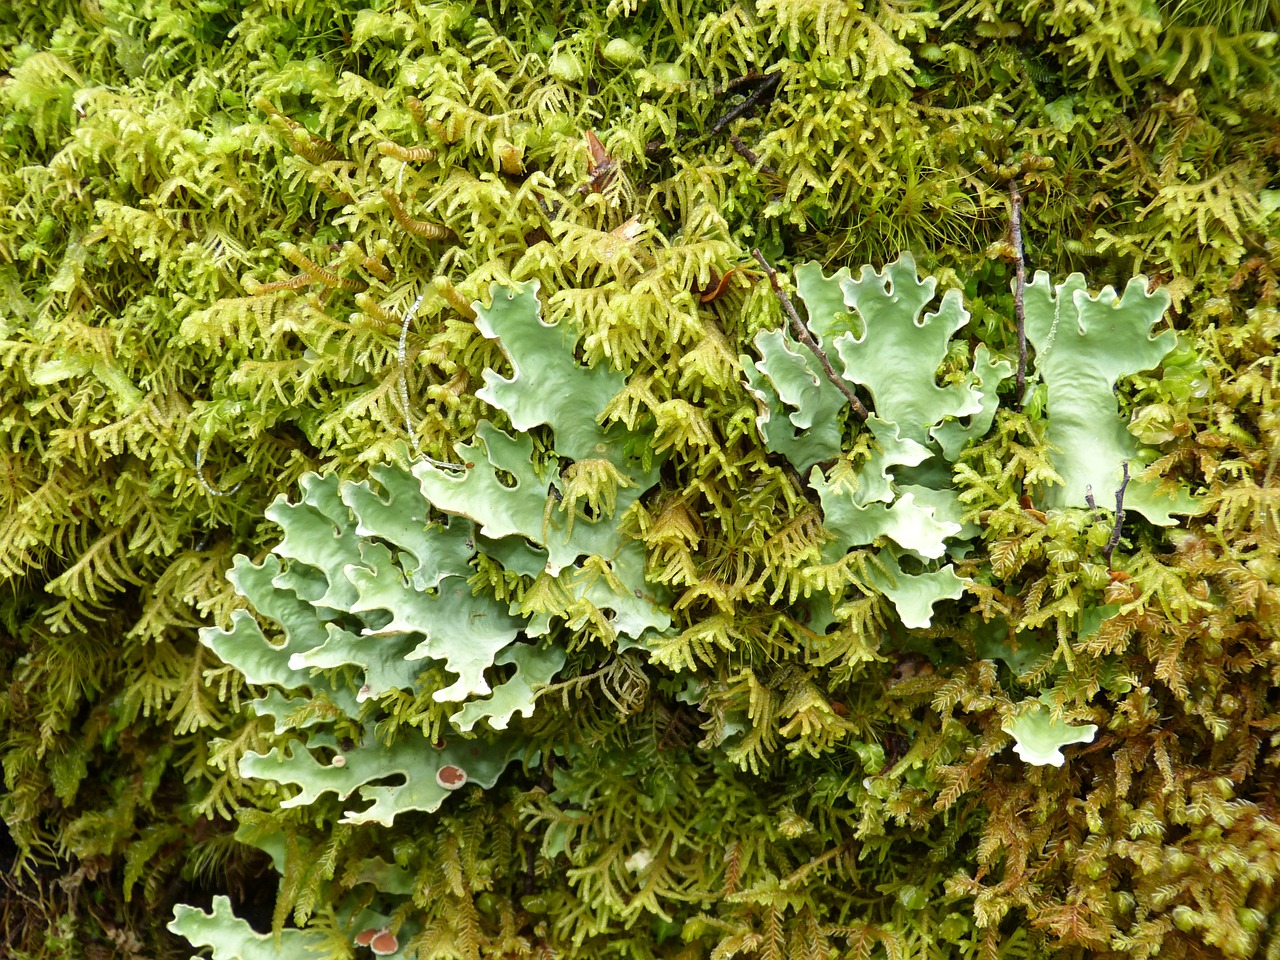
x=206 y=256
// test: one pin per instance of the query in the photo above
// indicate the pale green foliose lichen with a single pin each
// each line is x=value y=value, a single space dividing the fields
x=884 y=332
x=1039 y=736
x=370 y=585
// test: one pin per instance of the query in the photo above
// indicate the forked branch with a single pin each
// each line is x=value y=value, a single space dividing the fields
x=804 y=336
x=1118 y=530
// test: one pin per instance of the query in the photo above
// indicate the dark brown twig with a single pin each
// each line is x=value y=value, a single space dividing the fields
x=804 y=336
x=765 y=84
x=768 y=83
x=1020 y=283
x=746 y=79
x=750 y=156
x=1119 y=527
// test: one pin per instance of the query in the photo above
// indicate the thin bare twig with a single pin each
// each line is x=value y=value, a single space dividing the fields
x=1020 y=284
x=768 y=83
x=747 y=79
x=750 y=155
x=205 y=483
x=764 y=84
x=402 y=355
x=804 y=336
x=1119 y=527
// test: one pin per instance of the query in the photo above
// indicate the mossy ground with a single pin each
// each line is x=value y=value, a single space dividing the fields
x=213 y=216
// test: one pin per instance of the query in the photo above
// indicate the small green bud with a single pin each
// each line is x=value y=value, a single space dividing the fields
x=831 y=72
x=544 y=39
x=566 y=67
x=1252 y=920
x=622 y=53
x=414 y=75
x=954 y=928
x=1183 y=354
x=913 y=898
x=46 y=230
x=670 y=72
x=534 y=903
x=559 y=125
x=1184 y=918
